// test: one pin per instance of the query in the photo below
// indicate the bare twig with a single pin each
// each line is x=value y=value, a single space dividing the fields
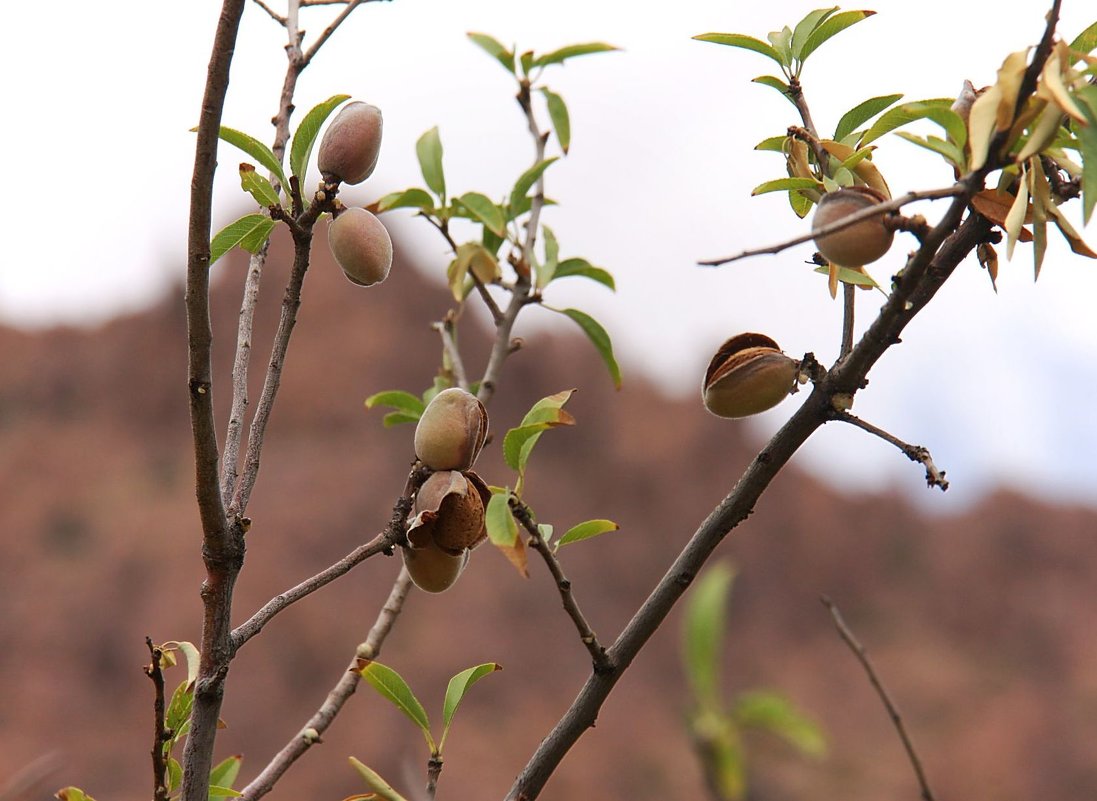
x=848 y=306
x=601 y=662
x=538 y=201
x=865 y=214
x=314 y=729
x=273 y=15
x=893 y=712
x=916 y=453
x=159 y=735
x=452 y=360
x=328 y=31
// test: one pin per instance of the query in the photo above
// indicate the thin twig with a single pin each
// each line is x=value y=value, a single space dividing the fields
x=489 y=301
x=273 y=15
x=328 y=31
x=916 y=453
x=537 y=202
x=849 y=303
x=852 y=219
x=601 y=662
x=451 y=353
x=313 y=730
x=893 y=712
x=159 y=734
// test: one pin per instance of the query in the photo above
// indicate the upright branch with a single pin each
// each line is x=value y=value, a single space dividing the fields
x=155 y=671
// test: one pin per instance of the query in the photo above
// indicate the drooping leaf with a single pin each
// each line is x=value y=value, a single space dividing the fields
x=742 y=41
x=379 y=786
x=703 y=633
x=942 y=147
x=547 y=269
x=455 y=693
x=600 y=339
x=414 y=198
x=526 y=181
x=774 y=82
x=995 y=205
x=571 y=51
x=1087 y=142
x=254 y=148
x=982 y=120
x=776 y=714
x=582 y=267
x=1017 y=213
x=775 y=144
x=785 y=184
x=859 y=164
x=305 y=136
x=503 y=532
x=484 y=209
x=558 y=114
x=397 y=399
x=428 y=148
x=257 y=186
x=392 y=686
x=243 y=232
x=834 y=25
x=495 y=49
x=936 y=109
x=862 y=113
x=849 y=276
x=192 y=657
x=224 y=773
x=584 y=531
x=800 y=203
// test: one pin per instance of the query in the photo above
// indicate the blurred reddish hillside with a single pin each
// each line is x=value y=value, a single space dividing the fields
x=981 y=625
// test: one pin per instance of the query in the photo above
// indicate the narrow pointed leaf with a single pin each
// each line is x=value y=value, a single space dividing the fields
x=258 y=237
x=397 y=399
x=526 y=181
x=381 y=787
x=775 y=83
x=582 y=267
x=936 y=109
x=806 y=26
x=776 y=714
x=586 y=530
x=495 y=49
x=241 y=232
x=1087 y=147
x=600 y=339
x=833 y=26
x=216 y=791
x=862 y=113
x=558 y=113
x=484 y=209
x=258 y=186
x=305 y=136
x=848 y=276
x=741 y=41
x=254 y=148
x=571 y=51
x=784 y=184
x=392 y=686
x=455 y=693
x=225 y=772
x=775 y=144
x=1086 y=41
x=953 y=154
x=429 y=151
x=1017 y=213
x=547 y=270
x=703 y=633
x=175 y=774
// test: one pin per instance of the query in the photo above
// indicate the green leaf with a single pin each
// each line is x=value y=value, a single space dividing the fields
x=175 y=774
x=800 y=203
x=495 y=49
x=558 y=113
x=455 y=693
x=72 y=794
x=582 y=267
x=776 y=714
x=834 y=25
x=397 y=399
x=848 y=276
x=484 y=209
x=546 y=413
x=600 y=339
x=584 y=531
x=525 y=182
x=547 y=270
x=429 y=151
x=953 y=154
x=785 y=184
x=936 y=110
x=775 y=83
x=527 y=61
x=703 y=633
x=398 y=418
x=1086 y=41
x=742 y=41
x=862 y=113
x=807 y=26
x=502 y=528
x=225 y=772
x=179 y=707
x=258 y=187
x=243 y=232
x=305 y=136
x=256 y=149
x=545 y=530
x=571 y=51
x=392 y=686
x=782 y=43
x=1087 y=142
x=775 y=144
x=379 y=786
x=407 y=199
x=223 y=792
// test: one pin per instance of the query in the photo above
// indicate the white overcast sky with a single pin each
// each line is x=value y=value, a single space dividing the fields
x=1001 y=387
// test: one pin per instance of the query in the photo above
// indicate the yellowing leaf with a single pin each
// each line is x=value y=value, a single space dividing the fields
x=1016 y=217
x=982 y=122
x=864 y=169
x=1043 y=133
x=1010 y=75
x=1053 y=88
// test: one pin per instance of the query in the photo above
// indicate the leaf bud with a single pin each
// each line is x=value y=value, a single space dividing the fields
x=748 y=375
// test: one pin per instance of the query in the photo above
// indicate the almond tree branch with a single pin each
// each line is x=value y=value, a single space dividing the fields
x=451 y=353
x=489 y=301
x=222 y=544
x=328 y=31
x=916 y=453
x=893 y=711
x=160 y=736
x=865 y=214
x=601 y=662
x=273 y=15
x=315 y=727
